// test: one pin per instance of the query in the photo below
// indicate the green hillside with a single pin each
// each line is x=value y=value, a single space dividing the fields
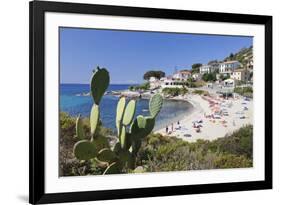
x=243 y=56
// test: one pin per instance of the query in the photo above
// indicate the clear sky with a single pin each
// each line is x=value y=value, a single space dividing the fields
x=128 y=55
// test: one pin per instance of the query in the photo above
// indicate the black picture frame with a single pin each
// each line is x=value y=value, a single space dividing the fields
x=37 y=10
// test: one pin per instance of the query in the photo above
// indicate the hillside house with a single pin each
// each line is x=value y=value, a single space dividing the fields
x=240 y=74
x=228 y=67
x=169 y=82
x=182 y=75
x=209 y=68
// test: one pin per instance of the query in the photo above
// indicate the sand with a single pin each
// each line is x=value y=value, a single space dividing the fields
x=211 y=128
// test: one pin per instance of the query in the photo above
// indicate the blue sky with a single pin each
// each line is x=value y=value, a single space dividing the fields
x=128 y=55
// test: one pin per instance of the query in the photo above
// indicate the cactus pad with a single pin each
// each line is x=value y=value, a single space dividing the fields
x=120 y=112
x=123 y=136
x=149 y=125
x=136 y=144
x=126 y=159
x=94 y=118
x=101 y=142
x=137 y=126
x=112 y=169
x=84 y=150
x=101 y=164
x=155 y=104
x=117 y=148
x=99 y=84
x=142 y=126
x=80 y=134
x=129 y=112
x=106 y=155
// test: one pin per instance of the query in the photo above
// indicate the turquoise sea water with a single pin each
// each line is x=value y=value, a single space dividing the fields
x=73 y=104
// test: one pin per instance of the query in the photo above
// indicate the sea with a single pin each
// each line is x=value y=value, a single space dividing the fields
x=74 y=103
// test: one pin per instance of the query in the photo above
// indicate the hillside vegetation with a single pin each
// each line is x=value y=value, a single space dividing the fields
x=243 y=56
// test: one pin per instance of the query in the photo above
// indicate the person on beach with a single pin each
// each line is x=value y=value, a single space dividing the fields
x=179 y=127
x=167 y=129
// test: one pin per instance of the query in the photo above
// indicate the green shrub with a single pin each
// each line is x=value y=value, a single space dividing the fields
x=198 y=84
x=239 y=142
x=244 y=91
x=192 y=83
x=209 y=77
x=144 y=86
x=200 y=92
x=233 y=161
x=174 y=91
x=164 y=153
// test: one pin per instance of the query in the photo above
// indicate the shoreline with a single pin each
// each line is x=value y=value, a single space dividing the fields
x=210 y=129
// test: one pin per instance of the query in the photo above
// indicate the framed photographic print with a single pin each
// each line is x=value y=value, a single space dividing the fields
x=140 y=102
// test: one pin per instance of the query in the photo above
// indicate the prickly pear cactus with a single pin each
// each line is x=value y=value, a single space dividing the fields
x=129 y=112
x=99 y=84
x=80 y=134
x=155 y=104
x=130 y=131
x=119 y=113
x=94 y=118
x=106 y=155
x=142 y=126
x=113 y=168
x=85 y=150
x=123 y=136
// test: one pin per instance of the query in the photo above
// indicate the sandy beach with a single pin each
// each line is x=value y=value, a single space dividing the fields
x=209 y=125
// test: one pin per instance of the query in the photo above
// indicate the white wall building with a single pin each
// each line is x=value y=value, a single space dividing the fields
x=208 y=68
x=240 y=74
x=228 y=67
x=154 y=83
x=172 y=83
x=197 y=76
x=182 y=75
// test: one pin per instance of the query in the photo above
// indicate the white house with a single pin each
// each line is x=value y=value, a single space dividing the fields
x=240 y=74
x=182 y=75
x=197 y=76
x=154 y=82
x=228 y=67
x=169 y=82
x=209 y=68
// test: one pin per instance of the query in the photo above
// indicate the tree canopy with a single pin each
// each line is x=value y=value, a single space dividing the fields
x=195 y=67
x=154 y=73
x=209 y=77
x=212 y=62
